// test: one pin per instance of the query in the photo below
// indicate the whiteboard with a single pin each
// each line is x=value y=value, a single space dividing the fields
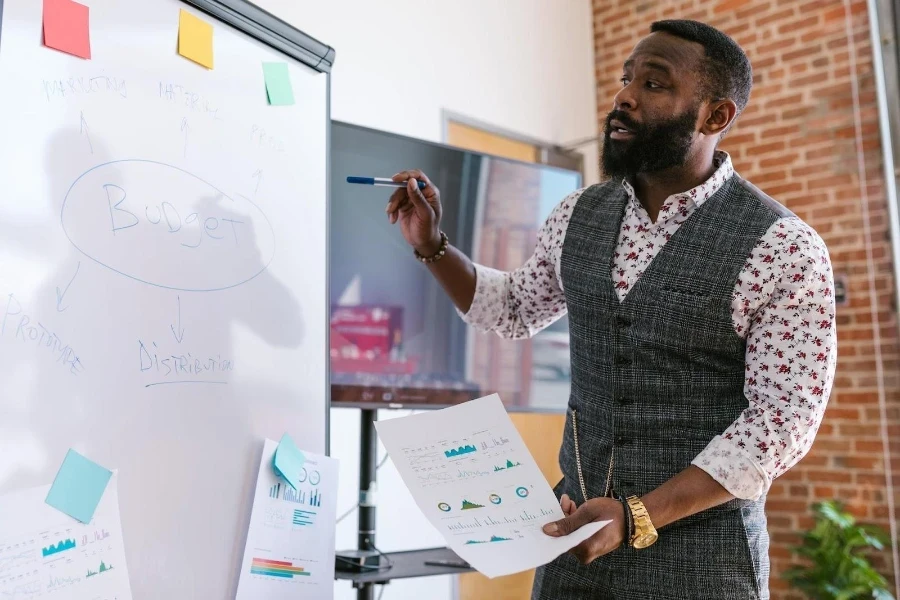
x=163 y=277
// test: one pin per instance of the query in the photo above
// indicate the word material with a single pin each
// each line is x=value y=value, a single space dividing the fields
x=78 y=487
x=23 y=328
x=45 y=554
x=195 y=39
x=290 y=543
x=474 y=479
x=66 y=27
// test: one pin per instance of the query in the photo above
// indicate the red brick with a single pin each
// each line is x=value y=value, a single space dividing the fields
x=797 y=25
x=765 y=148
x=754 y=9
x=729 y=5
x=790 y=506
x=801 y=53
x=866 y=446
x=829 y=476
x=823 y=492
x=811 y=79
x=785 y=188
x=865 y=463
x=858 y=397
x=781 y=15
x=800 y=491
x=782 y=44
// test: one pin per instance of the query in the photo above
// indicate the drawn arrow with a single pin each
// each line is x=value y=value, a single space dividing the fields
x=86 y=131
x=259 y=176
x=177 y=327
x=60 y=294
x=186 y=129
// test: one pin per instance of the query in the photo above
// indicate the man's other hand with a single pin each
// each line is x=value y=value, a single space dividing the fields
x=596 y=509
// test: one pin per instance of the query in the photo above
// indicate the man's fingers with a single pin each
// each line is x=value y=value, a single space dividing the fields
x=418 y=175
x=416 y=196
x=409 y=174
x=567 y=505
x=582 y=516
x=399 y=199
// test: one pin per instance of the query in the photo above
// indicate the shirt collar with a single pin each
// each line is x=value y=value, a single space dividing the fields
x=701 y=193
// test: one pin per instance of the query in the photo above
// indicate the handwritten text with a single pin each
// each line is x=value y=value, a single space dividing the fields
x=189 y=99
x=27 y=331
x=180 y=364
x=62 y=88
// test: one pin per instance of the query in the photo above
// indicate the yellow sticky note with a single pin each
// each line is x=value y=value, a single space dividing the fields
x=195 y=39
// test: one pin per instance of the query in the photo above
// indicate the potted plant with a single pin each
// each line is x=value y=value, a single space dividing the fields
x=835 y=550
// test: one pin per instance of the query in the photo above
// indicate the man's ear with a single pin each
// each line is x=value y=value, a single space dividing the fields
x=720 y=114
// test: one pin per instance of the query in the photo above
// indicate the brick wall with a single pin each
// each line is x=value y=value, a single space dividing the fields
x=796 y=141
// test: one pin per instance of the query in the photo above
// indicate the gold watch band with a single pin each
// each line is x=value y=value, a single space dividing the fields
x=645 y=533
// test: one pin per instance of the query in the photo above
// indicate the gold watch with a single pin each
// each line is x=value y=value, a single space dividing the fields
x=644 y=532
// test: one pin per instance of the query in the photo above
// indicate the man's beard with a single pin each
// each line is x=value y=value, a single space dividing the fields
x=652 y=148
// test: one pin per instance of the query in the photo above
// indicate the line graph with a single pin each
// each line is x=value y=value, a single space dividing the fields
x=16 y=560
x=22 y=591
x=58 y=582
x=417 y=460
x=436 y=477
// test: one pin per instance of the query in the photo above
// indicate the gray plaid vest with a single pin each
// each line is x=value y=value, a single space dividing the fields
x=654 y=378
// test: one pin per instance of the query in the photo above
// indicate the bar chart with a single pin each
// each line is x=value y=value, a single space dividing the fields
x=277 y=568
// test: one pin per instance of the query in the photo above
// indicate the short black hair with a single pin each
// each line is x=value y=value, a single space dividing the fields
x=727 y=70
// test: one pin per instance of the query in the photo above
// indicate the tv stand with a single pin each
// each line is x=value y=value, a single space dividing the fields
x=366 y=566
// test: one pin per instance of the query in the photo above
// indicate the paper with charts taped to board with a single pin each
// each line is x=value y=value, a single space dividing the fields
x=472 y=476
x=45 y=553
x=289 y=551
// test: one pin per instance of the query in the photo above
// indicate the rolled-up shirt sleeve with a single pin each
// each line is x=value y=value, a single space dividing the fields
x=790 y=364
x=518 y=304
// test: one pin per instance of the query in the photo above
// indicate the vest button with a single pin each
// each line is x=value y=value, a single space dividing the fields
x=621 y=441
x=623 y=360
x=624 y=401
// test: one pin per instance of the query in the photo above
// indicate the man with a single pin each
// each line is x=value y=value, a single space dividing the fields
x=702 y=333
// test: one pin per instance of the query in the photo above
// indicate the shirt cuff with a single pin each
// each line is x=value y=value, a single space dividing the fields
x=733 y=469
x=489 y=303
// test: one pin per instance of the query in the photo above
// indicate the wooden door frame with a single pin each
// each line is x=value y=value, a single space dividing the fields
x=548 y=153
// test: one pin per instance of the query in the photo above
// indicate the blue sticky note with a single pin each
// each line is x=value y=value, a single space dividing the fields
x=78 y=487
x=288 y=461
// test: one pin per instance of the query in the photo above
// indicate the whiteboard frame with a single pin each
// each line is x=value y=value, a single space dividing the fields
x=268 y=29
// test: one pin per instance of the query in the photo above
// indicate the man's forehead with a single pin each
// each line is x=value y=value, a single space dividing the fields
x=672 y=51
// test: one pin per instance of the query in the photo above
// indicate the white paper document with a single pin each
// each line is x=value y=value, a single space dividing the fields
x=45 y=553
x=473 y=477
x=290 y=543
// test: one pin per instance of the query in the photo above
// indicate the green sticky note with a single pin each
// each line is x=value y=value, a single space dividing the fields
x=78 y=487
x=288 y=461
x=278 y=84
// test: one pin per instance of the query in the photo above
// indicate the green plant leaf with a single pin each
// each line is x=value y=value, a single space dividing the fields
x=836 y=566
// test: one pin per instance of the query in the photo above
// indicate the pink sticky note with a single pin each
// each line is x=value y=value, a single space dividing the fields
x=67 y=27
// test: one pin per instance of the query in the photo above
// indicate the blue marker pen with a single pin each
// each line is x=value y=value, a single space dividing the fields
x=382 y=181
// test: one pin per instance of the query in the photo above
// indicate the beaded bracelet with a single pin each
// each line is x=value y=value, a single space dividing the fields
x=442 y=249
x=629 y=521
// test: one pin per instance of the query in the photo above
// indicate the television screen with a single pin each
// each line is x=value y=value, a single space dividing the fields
x=396 y=339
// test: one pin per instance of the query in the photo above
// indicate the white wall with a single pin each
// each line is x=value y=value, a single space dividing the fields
x=524 y=65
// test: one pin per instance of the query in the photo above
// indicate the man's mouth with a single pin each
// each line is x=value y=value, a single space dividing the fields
x=618 y=131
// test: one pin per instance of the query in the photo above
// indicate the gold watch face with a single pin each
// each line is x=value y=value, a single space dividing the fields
x=644 y=540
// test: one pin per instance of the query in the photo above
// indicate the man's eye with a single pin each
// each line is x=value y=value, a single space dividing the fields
x=624 y=81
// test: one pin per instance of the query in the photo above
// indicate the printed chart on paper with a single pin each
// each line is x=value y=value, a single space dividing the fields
x=46 y=554
x=475 y=480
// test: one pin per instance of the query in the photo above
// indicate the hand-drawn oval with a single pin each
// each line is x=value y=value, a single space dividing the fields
x=163 y=226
